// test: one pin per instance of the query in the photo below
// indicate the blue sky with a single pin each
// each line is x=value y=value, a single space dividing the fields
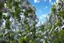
x=42 y=8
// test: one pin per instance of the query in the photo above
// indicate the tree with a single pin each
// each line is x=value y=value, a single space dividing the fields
x=55 y=34
x=19 y=21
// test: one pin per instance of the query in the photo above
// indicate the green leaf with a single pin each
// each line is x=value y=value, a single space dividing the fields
x=22 y=40
x=0 y=15
x=1 y=5
x=53 y=9
x=61 y=13
x=58 y=23
x=14 y=41
x=7 y=24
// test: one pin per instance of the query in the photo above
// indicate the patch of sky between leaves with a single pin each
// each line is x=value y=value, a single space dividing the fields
x=42 y=16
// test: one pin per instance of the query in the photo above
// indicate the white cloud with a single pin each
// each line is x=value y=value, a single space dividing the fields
x=44 y=16
x=57 y=0
x=46 y=7
x=42 y=19
x=39 y=23
x=36 y=1
x=50 y=1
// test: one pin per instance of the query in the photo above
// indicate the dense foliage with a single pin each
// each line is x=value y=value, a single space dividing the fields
x=18 y=23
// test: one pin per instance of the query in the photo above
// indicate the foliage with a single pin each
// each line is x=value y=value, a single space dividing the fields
x=16 y=28
x=61 y=13
x=53 y=9
x=58 y=23
x=19 y=24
